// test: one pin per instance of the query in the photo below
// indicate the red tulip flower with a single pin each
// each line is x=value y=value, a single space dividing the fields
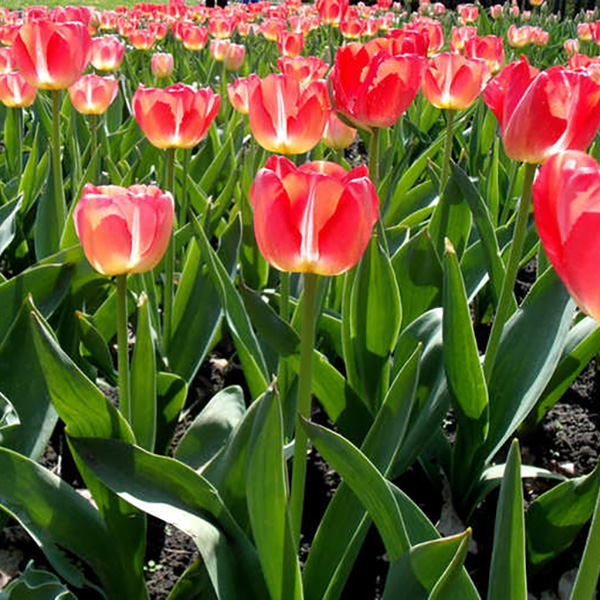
x=488 y=48
x=6 y=60
x=460 y=35
x=234 y=57
x=218 y=49
x=290 y=43
x=468 y=13
x=124 y=230
x=373 y=90
x=221 y=27
x=434 y=31
x=332 y=11
x=52 y=56
x=194 y=37
x=15 y=92
x=240 y=90
x=303 y=69
x=162 y=64
x=142 y=39
x=337 y=134
x=286 y=117
x=177 y=116
x=352 y=29
x=566 y=196
x=92 y=94
x=313 y=219
x=541 y=114
x=271 y=28
x=453 y=81
x=518 y=37
x=571 y=47
x=107 y=53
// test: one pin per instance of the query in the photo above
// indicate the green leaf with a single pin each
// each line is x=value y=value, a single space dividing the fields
x=8 y=224
x=94 y=347
x=172 y=492
x=8 y=415
x=143 y=380
x=31 y=179
x=86 y=412
x=555 y=518
x=171 y=395
x=528 y=353
x=212 y=429
x=11 y=144
x=266 y=489
x=193 y=328
x=345 y=524
x=35 y=584
x=419 y=276
x=366 y=482
x=216 y=167
x=429 y=570
x=59 y=518
x=252 y=359
x=464 y=372
x=193 y=584
x=507 y=572
x=374 y=314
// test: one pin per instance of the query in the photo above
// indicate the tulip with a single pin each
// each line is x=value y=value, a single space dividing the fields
x=234 y=57
x=221 y=27
x=489 y=48
x=539 y=37
x=286 y=117
x=585 y=32
x=322 y=215
x=177 y=116
x=92 y=94
x=240 y=90
x=15 y=92
x=271 y=28
x=496 y=11
x=433 y=30
x=571 y=47
x=6 y=60
x=52 y=56
x=124 y=230
x=352 y=29
x=142 y=39
x=162 y=65
x=194 y=38
x=453 y=81
x=541 y=114
x=373 y=89
x=468 y=13
x=218 y=49
x=303 y=69
x=407 y=41
x=566 y=194
x=107 y=53
x=332 y=11
x=337 y=134
x=460 y=35
x=290 y=44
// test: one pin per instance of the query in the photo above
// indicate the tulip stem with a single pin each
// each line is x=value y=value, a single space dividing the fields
x=444 y=206
x=304 y=401
x=184 y=196
x=332 y=49
x=58 y=215
x=123 y=349
x=169 y=257
x=512 y=268
x=589 y=569
x=374 y=176
x=94 y=121
x=284 y=304
x=19 y=150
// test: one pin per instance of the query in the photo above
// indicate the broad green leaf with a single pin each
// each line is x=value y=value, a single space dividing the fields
x=419 y=276
x=266 y=489
x=86 y=412
x=143 y=380
x=8 y=224
x=32 y=178
x=94 y=347
x=35 y=584
x=555 y=518
x=528 y=353
x=345 y=524
x=193 y=584
x=173 y=492
x=367 y=483
x=215 y=169
x=211 y=430
x=59 y=518
x=171 y=393
x=464 y=372
x=11 y=131
x=374 y=314
x=251 y=357
x=507 y=572
x=429 y=570
x=8 y=415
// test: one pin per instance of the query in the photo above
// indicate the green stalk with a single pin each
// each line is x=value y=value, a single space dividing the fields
x=304 y=401
x=332 y=49
x=589 y=569
x=445 y=209
x=123 y=350
x=94 y=124
x=184 y=196
x=169 y=257
x=512 y=268
x=19 y=125
x=60 y=207
x=374 y=176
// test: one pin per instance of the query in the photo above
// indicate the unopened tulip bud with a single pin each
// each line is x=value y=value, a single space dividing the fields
x=162 y=64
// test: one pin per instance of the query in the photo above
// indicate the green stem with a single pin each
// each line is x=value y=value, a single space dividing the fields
x=589 y=569
x=444 y=206
x=332 y=48
x=512 y=268
x=304 y=400
x=184 y=196
x=123 y=350
x=374 y=176
x=60 y=208
x=19 y=126
x=284 y=304
x=94 y=122
x=169 y=257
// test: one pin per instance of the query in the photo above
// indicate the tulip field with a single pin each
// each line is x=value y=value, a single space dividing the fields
x=309 y=285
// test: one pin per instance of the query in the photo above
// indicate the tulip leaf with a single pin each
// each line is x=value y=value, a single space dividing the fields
x=171 y=491
x=86 y=412
x=583 y=342
x=143 y=380
x=59 y=518
x=464 y=372
x=193 y=584
x=216 y=168
x=419 y=276
x=197 y=312
x=94 y=348
x=8 y=217
x=11 y=145
x=35 y=584
x=251 y=356
x=266 y=490
x=555 y=518
x=529 y=351
x=31 y=415
x=172 y=392
x=255 y=268
x=366 y=482
x=32 y=180
x=211 y=430
x=345 y=524
x=374 y=314
x=507 y=572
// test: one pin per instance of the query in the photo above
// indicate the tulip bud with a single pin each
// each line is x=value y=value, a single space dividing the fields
x=92 y=94
x=15 y=92
x=107 y=53
x=234 y=57
x=162 y=65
